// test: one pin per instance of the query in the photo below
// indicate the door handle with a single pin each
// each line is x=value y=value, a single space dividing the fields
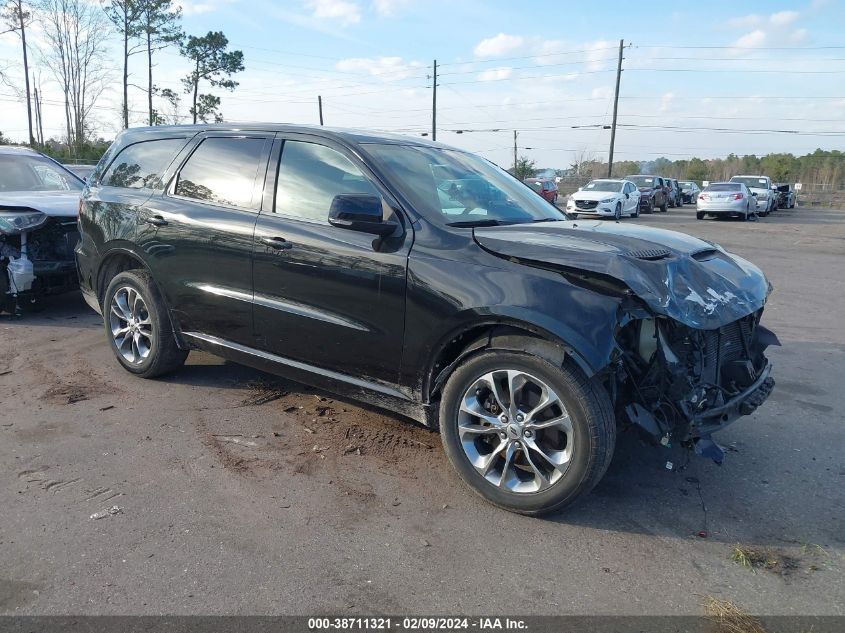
x=279 y=243
x=156 y=220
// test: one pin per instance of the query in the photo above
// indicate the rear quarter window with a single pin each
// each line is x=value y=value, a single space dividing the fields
x=141 y=165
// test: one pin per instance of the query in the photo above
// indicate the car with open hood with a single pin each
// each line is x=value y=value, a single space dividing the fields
x=39 y=200
x=428 y=281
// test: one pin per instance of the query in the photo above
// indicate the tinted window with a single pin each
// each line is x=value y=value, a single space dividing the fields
x=223 y=171
x=311 y=175
x=142 y=164
x=724 y=186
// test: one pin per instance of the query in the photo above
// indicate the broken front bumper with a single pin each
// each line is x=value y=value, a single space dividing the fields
x=714 y=419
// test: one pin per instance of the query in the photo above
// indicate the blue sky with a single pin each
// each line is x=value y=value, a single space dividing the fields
x=538 y=67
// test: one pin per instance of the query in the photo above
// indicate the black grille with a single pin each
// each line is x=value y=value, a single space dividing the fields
x=722 y=346
x=586 y=204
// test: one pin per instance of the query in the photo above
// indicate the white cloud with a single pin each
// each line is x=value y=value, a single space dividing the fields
x=498 y=45
x=753 y=39
x=387 y=8
x=495 y=74
x=666 y=101
x=195 y=8
x=387 y=68
x=603 y=92
x=798 y=36
x=782 y=18
x=343 y=11
x=746 y=21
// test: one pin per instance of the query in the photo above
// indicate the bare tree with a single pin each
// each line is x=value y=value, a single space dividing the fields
x=17 y=17
x=581 y=159
x=76 y=55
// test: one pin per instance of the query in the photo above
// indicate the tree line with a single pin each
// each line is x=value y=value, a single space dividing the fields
x=821 y=170
x=76 y=55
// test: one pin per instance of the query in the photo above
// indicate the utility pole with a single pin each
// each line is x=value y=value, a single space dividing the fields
x=320 y=107
x=514 y=152
x=434 y=104
x=615 y=108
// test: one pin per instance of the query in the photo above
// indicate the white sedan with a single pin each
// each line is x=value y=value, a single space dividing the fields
x=610 y=198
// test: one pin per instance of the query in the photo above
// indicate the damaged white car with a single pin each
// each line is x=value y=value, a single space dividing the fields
x=39 y=202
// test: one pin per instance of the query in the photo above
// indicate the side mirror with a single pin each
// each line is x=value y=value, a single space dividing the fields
x=627 y=195
x=754 y=193
x=359 y=212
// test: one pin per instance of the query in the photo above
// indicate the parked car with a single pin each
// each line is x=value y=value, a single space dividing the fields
x=39 y=200
x=674 y=193
x=761 y=186
x=689 y=191
x=331 y=257
x=726 y=199
x=786 y=193
x=83 y=171
x=652 y=192
x=605 y=198
x=546 y=188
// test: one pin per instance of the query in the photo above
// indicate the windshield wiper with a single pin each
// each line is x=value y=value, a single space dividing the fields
x=548 y=220
x=469 y=223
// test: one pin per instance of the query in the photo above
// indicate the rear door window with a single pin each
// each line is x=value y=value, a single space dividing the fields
x=141 y=165
x=223 y=171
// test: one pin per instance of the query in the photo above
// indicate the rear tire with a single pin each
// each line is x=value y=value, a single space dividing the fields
x=699 y=215
x=138 y=326
x=529 y=469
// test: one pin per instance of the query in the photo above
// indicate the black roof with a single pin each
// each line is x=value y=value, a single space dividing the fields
x=346 y=135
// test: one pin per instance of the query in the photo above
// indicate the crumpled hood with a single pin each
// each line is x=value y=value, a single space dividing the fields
x=60 y=204
x=676 y=275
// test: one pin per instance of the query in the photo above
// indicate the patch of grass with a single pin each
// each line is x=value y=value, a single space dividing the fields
x=760 y=558
x=730 y=618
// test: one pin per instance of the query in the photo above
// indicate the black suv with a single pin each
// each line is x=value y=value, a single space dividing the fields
x=653 y=192
x=426 y=280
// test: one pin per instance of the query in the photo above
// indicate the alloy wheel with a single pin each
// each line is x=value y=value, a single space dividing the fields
x=515 y=431
x=130 y=324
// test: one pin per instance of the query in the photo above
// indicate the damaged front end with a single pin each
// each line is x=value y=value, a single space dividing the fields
x=36 y=256
x=680 y=384
x=688 y=355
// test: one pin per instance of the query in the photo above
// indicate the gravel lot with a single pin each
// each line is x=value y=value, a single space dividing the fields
x=241 y=493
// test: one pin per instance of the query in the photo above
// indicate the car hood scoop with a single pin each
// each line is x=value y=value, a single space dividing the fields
x=676 y=275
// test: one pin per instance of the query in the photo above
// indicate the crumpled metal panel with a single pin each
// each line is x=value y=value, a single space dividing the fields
x=699 y=284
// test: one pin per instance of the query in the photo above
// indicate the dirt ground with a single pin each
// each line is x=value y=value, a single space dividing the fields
x=241 y=493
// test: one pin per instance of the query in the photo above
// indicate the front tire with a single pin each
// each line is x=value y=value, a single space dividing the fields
x=617 y=214
x=663 y=207
x=527 y=435
x=138 y=326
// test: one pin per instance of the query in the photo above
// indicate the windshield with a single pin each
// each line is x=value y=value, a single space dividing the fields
x=603 y=185
x=685 y=184
x=749 y=181
x=724 y=186
x=35 y=173
x=459 y=188
x=538 y=185
x=641 y=181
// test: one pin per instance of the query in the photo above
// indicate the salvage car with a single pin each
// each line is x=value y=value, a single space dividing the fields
x=689 y=191
x=726 y=199
x=605 y=198
x=349 y=261
x=39 y=200
x=786 y=196
x=544 y=187
x=761 y=187
x=652 y=192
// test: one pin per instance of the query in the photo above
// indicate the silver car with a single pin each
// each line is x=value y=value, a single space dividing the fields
x=726 y=198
